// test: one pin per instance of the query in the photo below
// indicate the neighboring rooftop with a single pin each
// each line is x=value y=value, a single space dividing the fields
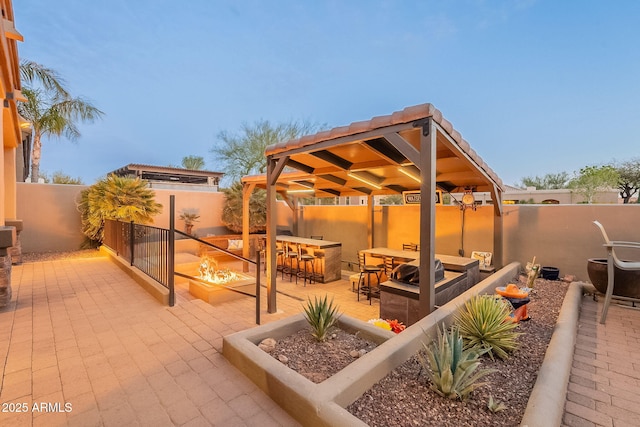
x=170 y=174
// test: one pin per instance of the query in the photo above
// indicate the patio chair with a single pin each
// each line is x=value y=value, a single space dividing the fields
x=410 y=247
x=389 y=265
x=614 y=262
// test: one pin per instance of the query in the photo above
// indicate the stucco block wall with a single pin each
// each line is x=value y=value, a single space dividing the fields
x=208 y=206
x=50 y=217
x=395 y=225
x=52 y=222
x=563 y=236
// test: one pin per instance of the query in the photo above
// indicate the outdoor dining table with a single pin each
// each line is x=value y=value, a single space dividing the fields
x=451 y=263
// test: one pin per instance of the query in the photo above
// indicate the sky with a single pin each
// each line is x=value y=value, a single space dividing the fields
x=534 y=86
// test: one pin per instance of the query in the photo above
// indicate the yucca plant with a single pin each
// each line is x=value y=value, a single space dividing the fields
x=321 y=315
x=452 y=369
x=484 y=323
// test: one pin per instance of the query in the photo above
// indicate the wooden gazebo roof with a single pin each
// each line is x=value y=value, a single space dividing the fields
x=335 y=162
x=415 y=149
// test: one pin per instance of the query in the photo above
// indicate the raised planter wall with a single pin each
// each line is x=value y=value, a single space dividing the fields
x=323 y=404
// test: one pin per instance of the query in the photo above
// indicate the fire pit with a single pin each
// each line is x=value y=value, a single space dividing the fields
x=217 y=285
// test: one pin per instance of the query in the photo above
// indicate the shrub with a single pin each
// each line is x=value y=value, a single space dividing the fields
x=452 y=369
x=485 y=324
x=321 y=315
x=122 y=198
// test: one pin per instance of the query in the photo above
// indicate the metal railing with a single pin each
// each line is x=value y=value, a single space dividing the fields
x=256 y=263
x=149 y=249
x=152 y=251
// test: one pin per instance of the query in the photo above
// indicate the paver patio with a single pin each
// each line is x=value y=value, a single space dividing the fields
x=81 y=332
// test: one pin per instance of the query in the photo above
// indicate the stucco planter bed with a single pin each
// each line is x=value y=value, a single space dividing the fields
x=324 y=404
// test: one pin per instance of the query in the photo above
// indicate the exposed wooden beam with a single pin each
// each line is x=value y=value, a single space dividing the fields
x=297 y=165
x=277 y=166
x=320 y=145
x=333 y=178
x=334 y=159
x=404 y=147
x=384 y=148
x=288 y=200
x=330 y=191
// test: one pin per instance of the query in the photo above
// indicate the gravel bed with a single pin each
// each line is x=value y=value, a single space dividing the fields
x=403 y=398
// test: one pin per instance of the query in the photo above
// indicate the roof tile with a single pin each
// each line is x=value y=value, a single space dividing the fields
x=408 y=114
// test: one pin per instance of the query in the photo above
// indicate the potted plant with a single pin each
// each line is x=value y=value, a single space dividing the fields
x=189 y=217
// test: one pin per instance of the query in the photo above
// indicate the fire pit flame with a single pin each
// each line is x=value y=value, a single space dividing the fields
x=210 y=272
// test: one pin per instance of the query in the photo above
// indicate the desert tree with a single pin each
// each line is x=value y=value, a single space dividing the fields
x=242 y=153
x=628 y=178
x=591 y=179
x=550 y=181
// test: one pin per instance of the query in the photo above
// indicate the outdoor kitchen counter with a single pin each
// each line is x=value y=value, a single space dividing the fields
x=328 y=262
x=452 y=263
x=401 y=301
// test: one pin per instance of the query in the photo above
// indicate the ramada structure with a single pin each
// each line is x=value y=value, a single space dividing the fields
x=415 y=149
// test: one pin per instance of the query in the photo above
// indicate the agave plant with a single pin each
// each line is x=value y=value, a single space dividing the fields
x=321 y=315
x=452 y=369
x=495 y=406
x=484 y=323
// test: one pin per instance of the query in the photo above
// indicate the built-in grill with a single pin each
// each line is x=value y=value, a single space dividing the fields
x=410 y=273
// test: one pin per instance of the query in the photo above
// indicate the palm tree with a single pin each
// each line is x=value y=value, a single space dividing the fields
x=193 y=162
x=232 y=210
x=122 y=198
x=50 y=108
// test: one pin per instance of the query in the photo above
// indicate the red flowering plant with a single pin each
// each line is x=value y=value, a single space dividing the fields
x=390 y=325
x=396 y=325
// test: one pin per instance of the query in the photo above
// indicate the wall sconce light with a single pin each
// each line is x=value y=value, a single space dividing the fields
x=367 y=178
x=411 y=171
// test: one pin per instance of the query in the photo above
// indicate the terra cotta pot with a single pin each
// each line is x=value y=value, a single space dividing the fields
x=627 y=282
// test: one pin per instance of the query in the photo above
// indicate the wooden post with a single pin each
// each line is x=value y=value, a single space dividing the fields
x=427 y=218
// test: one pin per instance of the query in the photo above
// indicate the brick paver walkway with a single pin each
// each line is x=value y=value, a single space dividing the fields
x=81 y=333
x=604 y=387
x=83 y=345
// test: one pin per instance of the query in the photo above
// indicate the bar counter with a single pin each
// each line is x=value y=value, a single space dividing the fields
x=328 y=255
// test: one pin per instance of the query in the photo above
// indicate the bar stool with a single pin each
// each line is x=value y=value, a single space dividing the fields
x=368 y=270
x=279 y=259
x=290 y=254
x=305 y=258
